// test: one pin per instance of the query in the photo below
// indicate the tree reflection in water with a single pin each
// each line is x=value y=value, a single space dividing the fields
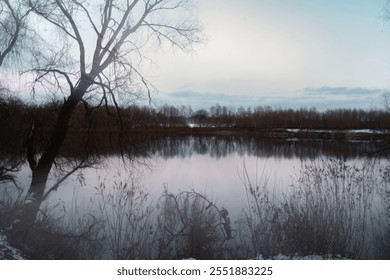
x=221 y=146
x=210 y=155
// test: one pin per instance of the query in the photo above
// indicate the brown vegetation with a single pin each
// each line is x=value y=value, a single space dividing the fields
x=109 y=121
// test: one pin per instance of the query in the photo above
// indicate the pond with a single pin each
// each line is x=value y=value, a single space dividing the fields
x=214 y=166
x=269 y=188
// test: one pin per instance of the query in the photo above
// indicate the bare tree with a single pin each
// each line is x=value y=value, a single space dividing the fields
x=13 y=32
x=13 y=27
x=386 y=101
x=100 y=72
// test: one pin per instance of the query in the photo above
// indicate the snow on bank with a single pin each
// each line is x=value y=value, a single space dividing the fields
x=307 y=257
x=7 y=252
x=295 y=257
x=354 y=131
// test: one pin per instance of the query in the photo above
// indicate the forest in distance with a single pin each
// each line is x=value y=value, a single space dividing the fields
x=105 y=126
x=97 y=135
x=335 y=224
x=14 y=112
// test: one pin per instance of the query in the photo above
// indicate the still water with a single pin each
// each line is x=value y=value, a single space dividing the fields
x=214 y=166
x=221 y=167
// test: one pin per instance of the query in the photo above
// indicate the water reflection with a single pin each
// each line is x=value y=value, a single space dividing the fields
x=221 y=146
x=214 y=166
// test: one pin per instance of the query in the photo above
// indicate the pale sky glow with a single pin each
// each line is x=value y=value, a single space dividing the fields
x=280 y=53
x=260 y=51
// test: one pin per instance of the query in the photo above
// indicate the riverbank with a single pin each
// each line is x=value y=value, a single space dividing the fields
x=286 y=134
x=7 y=252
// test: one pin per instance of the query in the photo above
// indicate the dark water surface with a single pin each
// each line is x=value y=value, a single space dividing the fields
x=215 y=165
x=218 y=167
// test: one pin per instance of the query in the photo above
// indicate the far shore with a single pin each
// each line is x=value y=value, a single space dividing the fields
x=279 y=133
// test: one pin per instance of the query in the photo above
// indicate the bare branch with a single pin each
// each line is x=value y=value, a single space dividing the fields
x=77 y=34
x=386 y=101
x=47 y=14
x=66 y=75
x=171 y=34
x=116 y=32
x=12 y=24
x=82 y=164
x=88 y=15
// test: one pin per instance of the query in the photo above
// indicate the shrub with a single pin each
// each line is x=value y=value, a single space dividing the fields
x=126 y=214
x=191 y=226
x=328 y=211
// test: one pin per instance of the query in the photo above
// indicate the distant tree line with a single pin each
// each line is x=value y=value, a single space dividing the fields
x=260 y=117
x=266 y=117
x=14 y=113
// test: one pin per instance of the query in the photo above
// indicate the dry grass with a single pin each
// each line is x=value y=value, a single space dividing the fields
x=327 y=211
x=332 y=208
x=126 y=214
x=192 y=226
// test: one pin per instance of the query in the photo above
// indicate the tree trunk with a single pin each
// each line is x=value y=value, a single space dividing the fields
x=41 y=171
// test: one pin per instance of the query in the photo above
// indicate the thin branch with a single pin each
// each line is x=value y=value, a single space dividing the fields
x=88 y=15
x=46 y=15
x=182 y=32
x=60 y=181
x=116 y=32
x=100 y=36
x=77 y=34
x=15 y=34
x=47 y=71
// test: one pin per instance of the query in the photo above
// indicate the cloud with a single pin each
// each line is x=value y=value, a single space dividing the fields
x=342 y=97
x=321 y=98
x=217 y=97
x=342 y=91
x=200 y=100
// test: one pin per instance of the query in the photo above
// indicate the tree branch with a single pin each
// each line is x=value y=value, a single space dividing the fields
x=115 y=34
x=88 y=15
x=77 y=34
x=60 y=181
x=14 y=34
x=47 y=71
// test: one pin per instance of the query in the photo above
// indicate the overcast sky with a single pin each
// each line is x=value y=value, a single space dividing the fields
x=287 y=53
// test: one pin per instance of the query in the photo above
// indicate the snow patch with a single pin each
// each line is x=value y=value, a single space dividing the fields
x=354 y=131
x=298 y=257
x=7 y=252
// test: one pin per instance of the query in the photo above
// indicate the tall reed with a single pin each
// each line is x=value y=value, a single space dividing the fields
x=326 y=211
